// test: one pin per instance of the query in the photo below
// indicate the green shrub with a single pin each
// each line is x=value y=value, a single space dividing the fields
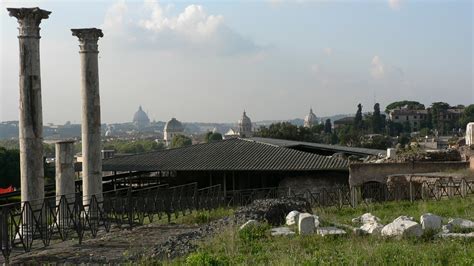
x=204 y=258
x=253 y=232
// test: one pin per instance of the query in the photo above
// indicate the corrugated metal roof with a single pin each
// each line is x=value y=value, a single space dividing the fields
x=335 y=148
x=227 y=155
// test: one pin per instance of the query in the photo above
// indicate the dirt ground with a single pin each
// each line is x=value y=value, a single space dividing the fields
x=117 y=246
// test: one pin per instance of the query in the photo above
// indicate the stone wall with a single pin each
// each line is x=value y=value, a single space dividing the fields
x=360 y=173
x=315 y=181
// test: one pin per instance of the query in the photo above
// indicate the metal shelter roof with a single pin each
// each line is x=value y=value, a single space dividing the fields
x=226 y=155
x=319 y=146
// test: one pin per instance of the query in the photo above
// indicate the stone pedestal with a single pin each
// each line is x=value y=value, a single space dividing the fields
x=91 y=134
x=31 y=118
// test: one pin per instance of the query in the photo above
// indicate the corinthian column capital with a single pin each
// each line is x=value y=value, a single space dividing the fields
x=88 y=39
x=29 y=20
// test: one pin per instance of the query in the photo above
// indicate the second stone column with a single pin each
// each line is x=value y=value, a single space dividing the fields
x=91 y=131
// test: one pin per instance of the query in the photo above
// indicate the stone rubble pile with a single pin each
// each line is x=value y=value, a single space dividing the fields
x=402 y=226
x=305 y=223
x=272 y=211
x=405 y=226
x=430 y=221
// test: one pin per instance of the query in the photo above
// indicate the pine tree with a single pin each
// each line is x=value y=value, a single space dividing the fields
x=328 y=126
x=358 y=117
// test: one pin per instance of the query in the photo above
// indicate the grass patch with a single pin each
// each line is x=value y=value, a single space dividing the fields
x=256 y=247
x=458 y=207
x=204 y=217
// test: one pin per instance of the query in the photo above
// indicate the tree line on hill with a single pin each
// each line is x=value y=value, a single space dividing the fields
x=370 y=130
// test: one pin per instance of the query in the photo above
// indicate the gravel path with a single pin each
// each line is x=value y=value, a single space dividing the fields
x=117 y=246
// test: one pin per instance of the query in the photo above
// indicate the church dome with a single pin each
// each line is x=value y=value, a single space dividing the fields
x=174 y=126
x=245 y=120
x=140 y=118
x=310 y=119
x=245 y=126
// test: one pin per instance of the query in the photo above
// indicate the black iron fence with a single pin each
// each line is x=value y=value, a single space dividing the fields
x=345 y=196
x=24 y=225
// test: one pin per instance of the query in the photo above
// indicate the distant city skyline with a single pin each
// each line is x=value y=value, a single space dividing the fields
x=207 y=61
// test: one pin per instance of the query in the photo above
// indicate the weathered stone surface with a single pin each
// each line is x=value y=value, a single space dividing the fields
x=372 y=228
x=281 y=231
x=324 y=231
x=306 y=224
x=446 y=228
x=90 y=127
x=31 y=111
x=430 y=221
x=273 y=211
x=249 y=223
x=402 y=226
x=292 y=217
x=316 y=221
x=455 y=235
x=461 y=223
x=470 y=134
x=366 y=218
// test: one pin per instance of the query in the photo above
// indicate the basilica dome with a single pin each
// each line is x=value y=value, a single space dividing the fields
x=310 y=120
x=140 y=118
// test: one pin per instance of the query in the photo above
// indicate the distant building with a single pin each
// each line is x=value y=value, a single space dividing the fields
x=172 y=128
x=140 y=119
x=110 y=131
x=231 y=133
x=310 y=120
x=447 y=120
x=416 y=118
x=245 y=126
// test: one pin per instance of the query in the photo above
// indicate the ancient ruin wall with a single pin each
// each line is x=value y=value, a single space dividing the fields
x=360 y=173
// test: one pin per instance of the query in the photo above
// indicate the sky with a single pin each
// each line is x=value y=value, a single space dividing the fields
x=207 y=61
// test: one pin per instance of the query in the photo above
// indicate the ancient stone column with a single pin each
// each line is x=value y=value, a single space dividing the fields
x=31 y=113
x=91 y=137
x=65 y=185
x=65 y=170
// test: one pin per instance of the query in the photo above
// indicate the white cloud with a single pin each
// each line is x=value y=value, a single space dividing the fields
x=395 y=4
x=193 y=29
x=377 y=69
x=193 y=21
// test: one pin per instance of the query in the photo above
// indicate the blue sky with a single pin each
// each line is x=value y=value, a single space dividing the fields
x=209 y=60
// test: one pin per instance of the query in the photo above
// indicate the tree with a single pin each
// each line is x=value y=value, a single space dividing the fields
x=467 y=116
x=9 y=168
x=328 y=126
x=133 y=146
x=378 y=121
x=349 y=136
x=213 y=137
x=436 y=109
x=412 y=105
x=377 y=142
x=358 y=123
x=179 y=141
